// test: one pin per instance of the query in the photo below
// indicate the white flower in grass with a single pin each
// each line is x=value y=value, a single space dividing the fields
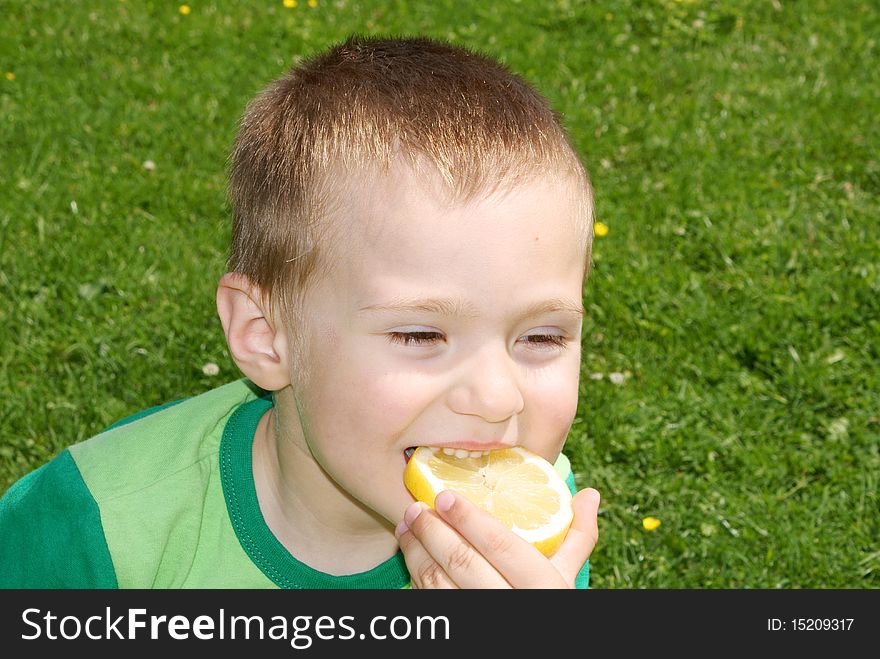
x=616 y=378
x=210 y=369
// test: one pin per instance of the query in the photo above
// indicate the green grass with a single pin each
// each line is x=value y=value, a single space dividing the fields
x=733 y=147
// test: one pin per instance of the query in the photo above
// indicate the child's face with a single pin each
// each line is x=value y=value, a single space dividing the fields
x=483 y=351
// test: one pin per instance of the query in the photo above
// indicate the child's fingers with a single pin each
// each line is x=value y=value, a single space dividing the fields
x=513 y=559
x=582 y=536
x=424 y=571
x=466 y=567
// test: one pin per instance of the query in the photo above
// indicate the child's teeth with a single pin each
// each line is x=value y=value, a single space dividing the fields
x=463 y=452
x=456 y=452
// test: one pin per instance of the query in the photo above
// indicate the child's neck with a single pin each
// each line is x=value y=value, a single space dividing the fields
x=318 y=523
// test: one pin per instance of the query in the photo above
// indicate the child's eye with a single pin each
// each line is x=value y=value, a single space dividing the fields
x=545 y=341
x=415 y=338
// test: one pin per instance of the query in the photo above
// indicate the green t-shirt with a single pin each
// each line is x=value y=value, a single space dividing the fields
x=164 y=499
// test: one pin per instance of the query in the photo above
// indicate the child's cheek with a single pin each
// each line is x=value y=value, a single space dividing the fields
x=394 y=399
x=550 y=408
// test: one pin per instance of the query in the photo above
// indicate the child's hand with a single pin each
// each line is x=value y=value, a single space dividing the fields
x=460 y=546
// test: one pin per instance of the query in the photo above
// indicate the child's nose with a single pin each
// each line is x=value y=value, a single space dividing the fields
x=488 y=386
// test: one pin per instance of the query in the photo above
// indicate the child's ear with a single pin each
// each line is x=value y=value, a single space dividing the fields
x=258 y=346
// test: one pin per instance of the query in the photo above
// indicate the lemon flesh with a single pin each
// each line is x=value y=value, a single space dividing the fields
x=519 y=488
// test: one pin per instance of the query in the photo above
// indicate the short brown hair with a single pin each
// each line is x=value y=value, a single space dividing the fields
x=358 y=106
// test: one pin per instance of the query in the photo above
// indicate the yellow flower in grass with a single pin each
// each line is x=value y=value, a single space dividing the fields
x=600 y=229
x=290 y=4
x=10 y=76
x=313 y=3
x=185 y=9
x=651 y=523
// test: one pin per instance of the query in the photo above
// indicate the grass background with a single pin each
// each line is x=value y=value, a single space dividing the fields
x=734 y=151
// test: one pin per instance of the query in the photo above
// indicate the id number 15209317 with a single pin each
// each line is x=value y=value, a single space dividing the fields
x=810 y=624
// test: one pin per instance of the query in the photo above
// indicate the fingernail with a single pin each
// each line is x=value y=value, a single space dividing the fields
x=401 y=529
x=413 y=512
x=443 y=501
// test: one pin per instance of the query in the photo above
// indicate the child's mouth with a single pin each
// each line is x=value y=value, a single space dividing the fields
x=461 y=453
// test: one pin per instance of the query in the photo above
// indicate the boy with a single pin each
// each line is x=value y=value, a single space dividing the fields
x=411 y=235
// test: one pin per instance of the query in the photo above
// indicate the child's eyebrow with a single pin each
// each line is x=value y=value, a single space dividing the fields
x=461 y=309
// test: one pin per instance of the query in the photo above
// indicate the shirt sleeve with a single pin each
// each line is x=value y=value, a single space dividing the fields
x=50 y=532
x=582 y=580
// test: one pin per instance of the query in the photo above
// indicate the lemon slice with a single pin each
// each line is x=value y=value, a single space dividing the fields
x=518 y=487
